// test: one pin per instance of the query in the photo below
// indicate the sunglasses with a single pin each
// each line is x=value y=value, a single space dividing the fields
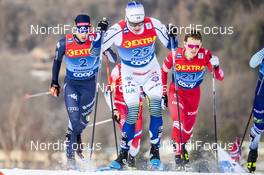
x=133 y=3
x=83 y=29
x=191 y=46
x=132 y=24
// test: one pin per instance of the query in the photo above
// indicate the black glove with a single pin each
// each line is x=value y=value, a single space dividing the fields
x=116 y=115
x=164 y=101
x=54 y=88
x=172 y=30
x=102 y=25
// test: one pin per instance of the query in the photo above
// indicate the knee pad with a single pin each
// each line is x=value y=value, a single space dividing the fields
x=155 y=107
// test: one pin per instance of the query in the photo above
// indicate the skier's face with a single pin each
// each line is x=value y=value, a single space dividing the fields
x=82 y=33
x=192 y=47
x=136 y=27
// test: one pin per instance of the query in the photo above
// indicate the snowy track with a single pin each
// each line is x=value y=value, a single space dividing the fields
x=46 y=172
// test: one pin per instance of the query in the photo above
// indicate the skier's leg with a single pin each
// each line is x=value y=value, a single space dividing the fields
x=87 y=99
x=135 y=146
x=71 y=98
x=173 y=109
x=131 y=95
x=257 y=129
x=191 y=100
x=153 y=91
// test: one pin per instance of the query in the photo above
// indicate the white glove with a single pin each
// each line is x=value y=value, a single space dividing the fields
x=257 y=58
x=214 y=61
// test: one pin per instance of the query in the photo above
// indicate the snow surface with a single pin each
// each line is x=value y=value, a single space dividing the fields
x=58 y=172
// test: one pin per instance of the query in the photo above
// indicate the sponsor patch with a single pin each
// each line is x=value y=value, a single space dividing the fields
x=178 y=55
x=73 y=96
x=200 y=55
x=148 y=25
x=91 y=38
x=69 y=40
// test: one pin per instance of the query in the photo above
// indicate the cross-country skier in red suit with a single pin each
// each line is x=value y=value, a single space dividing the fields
x=190 y=63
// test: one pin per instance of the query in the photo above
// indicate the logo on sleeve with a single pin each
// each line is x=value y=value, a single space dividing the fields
x=148 y=25
x=69 y=40
x=200 y=55
x=91 y=38
x=178 y=55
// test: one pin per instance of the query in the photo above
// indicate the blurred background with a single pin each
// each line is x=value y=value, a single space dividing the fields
x=26 y=61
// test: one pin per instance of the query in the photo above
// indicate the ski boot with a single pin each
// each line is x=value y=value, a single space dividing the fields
x=71 y=164
x=155 y=162
x=79 y=150
x=131 y=163
x=252 y=159
x=185 y=155
x=181 y=160
x=121 y=160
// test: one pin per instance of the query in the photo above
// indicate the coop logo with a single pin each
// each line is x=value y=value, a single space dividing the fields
x=141 y=62
x=82 y=74
x=189 y=67
x=186 y=85
x=78 y=52
x=139 y=42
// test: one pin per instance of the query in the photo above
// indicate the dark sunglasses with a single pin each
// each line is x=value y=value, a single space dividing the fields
x=191 y=46
x=132 y=24
x=83 y=29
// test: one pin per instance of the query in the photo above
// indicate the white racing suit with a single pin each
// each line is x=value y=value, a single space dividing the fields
x=139 y=69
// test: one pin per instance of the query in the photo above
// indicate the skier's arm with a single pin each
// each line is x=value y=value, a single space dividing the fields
x=162 y=34
x=59 y=53
x=167 y=65
x=112 y=36
x=257 y=58
x=218 y=72
x=111 y=55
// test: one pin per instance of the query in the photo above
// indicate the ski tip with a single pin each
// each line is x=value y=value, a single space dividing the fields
x=114 y=166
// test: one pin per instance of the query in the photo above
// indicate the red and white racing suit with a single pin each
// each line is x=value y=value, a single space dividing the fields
x=189 y=75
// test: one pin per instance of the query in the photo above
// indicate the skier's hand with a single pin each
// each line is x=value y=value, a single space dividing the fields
x=54 y=88
x=102 y=25
x=116 y=115
x=172 y=30
x=214 y=61
x=164 y=102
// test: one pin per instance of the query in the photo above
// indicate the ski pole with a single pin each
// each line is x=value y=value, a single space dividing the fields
x=100 y=123
x=214 y=114
x=176 y=91
x=251 y=114
x=97 y=92
x=111 y=101
x=28 y=95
